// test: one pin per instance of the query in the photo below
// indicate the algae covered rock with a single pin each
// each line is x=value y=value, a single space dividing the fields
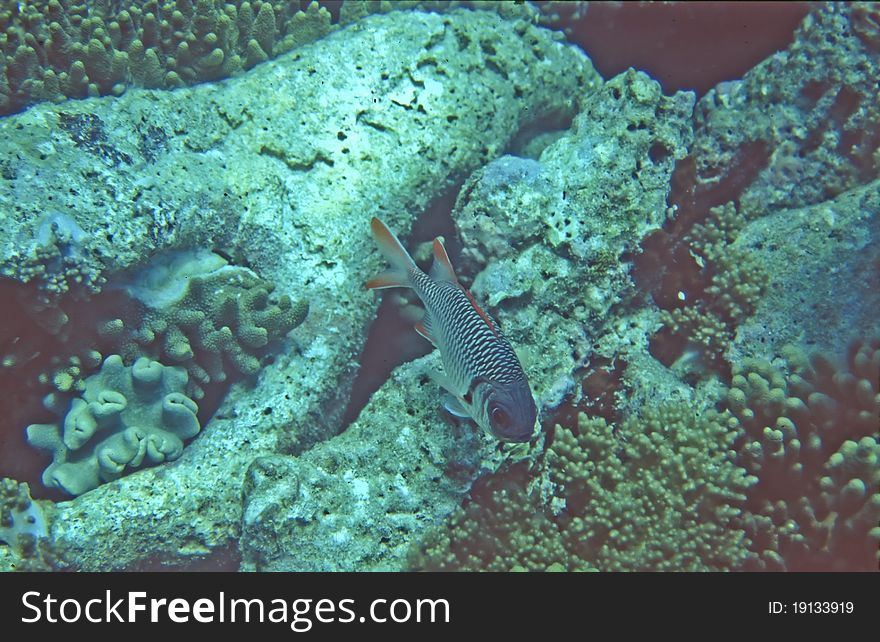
x=358 y=501
x=802 y=126
x=832 y=307
x=126 y=418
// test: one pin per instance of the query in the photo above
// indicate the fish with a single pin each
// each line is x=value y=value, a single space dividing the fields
x=481 y=372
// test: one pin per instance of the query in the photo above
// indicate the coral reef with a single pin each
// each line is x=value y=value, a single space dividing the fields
x=715 y=287
x=280 y=184
x=24 y=529
x=649 y=259
x=811 y=438
x=127 y=417
x=57 y=49
x=267 y=178
x=659 y=492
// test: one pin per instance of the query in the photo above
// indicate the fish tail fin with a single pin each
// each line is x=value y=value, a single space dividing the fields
x=400 y=260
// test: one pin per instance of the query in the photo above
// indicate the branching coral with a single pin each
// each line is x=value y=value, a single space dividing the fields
x=660 y=492
x=721 y=287
x=811 y=438
x=127 y=416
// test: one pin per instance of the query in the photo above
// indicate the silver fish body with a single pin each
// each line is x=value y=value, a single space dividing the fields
x=482 y=371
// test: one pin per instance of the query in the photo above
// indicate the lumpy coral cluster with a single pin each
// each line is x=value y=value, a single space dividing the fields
x=192 y=310
x=52 y=49
x=658 y=492
x=810 y=436
x=210 y=317
x=127 y=417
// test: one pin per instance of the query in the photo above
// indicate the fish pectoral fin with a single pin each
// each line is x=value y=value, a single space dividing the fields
x=454 y=407
x=423 y=327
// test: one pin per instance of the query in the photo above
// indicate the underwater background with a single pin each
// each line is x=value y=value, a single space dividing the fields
x=671 y=209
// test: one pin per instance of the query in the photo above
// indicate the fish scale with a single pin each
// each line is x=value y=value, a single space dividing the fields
x=473 y=349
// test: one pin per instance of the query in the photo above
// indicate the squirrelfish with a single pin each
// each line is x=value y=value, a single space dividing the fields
x=482 y=373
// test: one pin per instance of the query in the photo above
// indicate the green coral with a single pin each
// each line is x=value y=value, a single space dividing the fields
x=24 y=528
x=52 y=49
x=659 y=493
x=811 y=438
x=126 y=417
x=211 y=318
x=724 y=290
x=57 y=49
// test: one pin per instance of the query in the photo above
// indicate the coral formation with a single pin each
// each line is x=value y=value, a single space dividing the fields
x=52 y=49
x=24 y=529
x=199 y=312
x=57 y=49
x=766 y=198
x=833 y=307
x=715 y=287
x=811 y=439
x=268 y=181
x=127 y=417
x=282 y=186
x=658 y=492
x=368 y=494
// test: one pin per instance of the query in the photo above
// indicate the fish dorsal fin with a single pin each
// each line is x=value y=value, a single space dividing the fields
x=423 y=327
x=493 y=325
x=442 y=269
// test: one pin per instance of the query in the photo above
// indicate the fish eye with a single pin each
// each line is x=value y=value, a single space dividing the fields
x=500 y=417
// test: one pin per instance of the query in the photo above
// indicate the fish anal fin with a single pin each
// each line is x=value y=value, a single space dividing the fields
x=423 y=327
x=442 y=269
